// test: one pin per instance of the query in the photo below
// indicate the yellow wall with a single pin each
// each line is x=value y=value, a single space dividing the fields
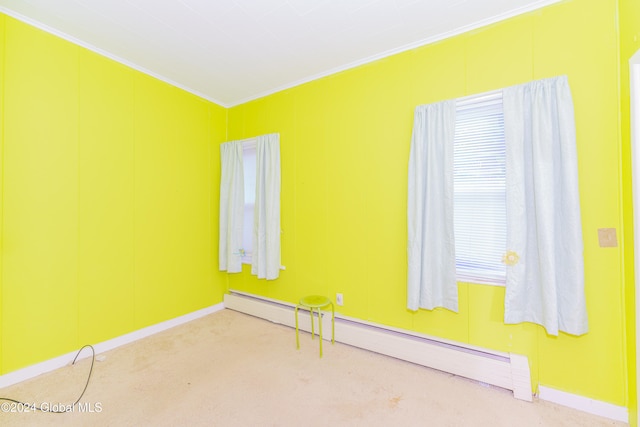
x=107 y=180
x=629 y=44
x=345 y=146
x=2 y=30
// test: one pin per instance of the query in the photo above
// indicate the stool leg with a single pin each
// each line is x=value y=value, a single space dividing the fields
x=312 y=327
x=320 y=327
x=333 y=325
x=297 y=333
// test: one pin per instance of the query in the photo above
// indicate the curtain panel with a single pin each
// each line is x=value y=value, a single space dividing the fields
x=231 y=207
x=544 y=231
x=265 y=260
x=431 y=253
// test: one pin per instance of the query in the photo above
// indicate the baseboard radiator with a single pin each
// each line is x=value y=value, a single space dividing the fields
x=505 y=370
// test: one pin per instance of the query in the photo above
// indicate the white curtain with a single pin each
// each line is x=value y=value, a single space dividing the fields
x=545 y=283
x=431 y=253
x=231 y=207
x=265 y=260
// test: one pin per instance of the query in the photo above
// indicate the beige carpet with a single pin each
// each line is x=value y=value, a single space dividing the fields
x=230 y=369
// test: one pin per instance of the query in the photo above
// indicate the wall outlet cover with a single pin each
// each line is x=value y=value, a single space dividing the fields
x=607 y=237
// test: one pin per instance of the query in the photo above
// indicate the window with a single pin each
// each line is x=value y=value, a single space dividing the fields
x=479 y=166
x=249 y=178
x=259 y=214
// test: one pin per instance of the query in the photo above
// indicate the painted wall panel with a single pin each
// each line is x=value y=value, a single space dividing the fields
x=106 y=222
x=310 y=172
x=282 y=106
x=629 y=16
x=434 y=73
x=386 y=157
x=217 y=134
x=172 y=190
x=588 y=56
x=500 y=55
x=2 y=55
x=40 y=212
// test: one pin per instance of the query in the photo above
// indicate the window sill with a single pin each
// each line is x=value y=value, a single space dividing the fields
x=488 y=282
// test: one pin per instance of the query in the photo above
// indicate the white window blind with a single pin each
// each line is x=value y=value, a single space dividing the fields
x=479 y=189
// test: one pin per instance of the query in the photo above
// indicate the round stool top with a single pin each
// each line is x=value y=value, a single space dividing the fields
x=315 y=301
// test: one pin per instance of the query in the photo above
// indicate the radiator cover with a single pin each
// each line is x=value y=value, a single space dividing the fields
x=505 y=370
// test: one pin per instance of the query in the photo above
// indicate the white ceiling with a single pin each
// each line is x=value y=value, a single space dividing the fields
x=232 y=51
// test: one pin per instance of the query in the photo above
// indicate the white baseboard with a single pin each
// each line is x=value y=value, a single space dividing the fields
x=60 y=361
x=585 y=404
x=491 y=369
x=506 y=370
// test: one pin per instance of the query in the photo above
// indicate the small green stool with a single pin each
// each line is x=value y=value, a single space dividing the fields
x=316 y=302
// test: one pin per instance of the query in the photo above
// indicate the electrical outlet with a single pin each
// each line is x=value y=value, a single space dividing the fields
x=339 y=299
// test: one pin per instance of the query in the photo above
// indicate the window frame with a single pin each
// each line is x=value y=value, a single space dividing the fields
x=489 y=276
